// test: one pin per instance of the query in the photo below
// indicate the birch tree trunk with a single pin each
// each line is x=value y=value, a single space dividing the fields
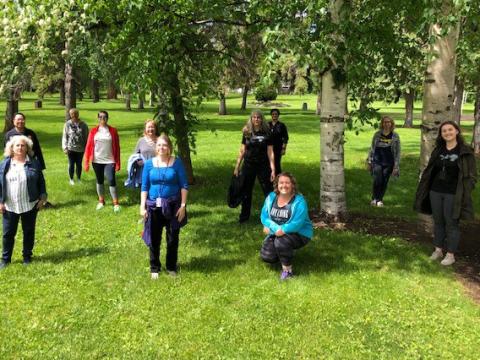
x=332 y=122
x=476 y=127
x=409 y=102
x=438 y=89
x=458 y=100
x=222 y=107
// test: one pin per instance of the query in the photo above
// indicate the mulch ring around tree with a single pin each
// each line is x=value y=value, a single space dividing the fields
x=467 y=266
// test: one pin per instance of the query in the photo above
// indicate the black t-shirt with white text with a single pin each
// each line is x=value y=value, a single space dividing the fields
x=281 y=215
x=445 y=171
x=256 y=147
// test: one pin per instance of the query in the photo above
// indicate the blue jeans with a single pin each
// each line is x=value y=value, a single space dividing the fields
x=10 y=225
x=381 y=175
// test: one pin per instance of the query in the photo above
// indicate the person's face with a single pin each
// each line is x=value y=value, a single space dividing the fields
x=449 y=133
x=162 y=147
x=20 y=148
x=275 y=116
x=256 y=120
x=387 y=125
x=73 y=115
x=285 y=186
x=19 y=122
x=150 y=129
x=102 y=119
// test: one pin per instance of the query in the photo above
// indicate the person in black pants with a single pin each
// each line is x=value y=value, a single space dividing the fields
x=383 y=159
x=279 y=134
x=256 y=152
x=445 y=189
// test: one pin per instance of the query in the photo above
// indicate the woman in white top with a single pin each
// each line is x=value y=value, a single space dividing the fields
x=23 y=193
x=103 y=150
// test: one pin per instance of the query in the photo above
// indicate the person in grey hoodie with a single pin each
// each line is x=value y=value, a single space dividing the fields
x=74 y=139
x=383 y=159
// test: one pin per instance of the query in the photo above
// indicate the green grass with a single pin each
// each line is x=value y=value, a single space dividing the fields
x=88 y=293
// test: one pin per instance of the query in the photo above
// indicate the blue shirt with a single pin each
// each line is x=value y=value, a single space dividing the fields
x=163 y=182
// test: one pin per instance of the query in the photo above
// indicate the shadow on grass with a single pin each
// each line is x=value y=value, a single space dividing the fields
x=63 y=256
x=212 y=264
x=66 y=204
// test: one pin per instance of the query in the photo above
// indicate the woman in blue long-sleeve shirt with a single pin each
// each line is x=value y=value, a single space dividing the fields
x=163 y=204
x=285 y=222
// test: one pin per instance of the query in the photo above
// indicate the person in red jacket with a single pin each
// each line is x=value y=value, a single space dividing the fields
x=103 y=150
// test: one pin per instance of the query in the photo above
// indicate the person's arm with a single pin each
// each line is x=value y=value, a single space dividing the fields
x=37 y=150
x=183 y=183
x=89 y=150
x=65 y=138
x=265 y=218
x=284 y=139
x=396 y=166
x=84 y=134
x=116 y=151
x=43 y=190
x=143 y=204
x=240 y=157
x=271 y=158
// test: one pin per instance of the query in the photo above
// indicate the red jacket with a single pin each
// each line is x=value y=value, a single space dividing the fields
x=89 y=148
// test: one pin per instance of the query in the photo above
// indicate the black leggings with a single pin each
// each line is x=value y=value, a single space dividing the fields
x=158 y=223
x=250 y=172
x=102 y=170
x=75 y=163
x=281 y=248
x=446 y=228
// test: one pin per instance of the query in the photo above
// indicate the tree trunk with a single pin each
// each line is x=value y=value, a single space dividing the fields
x=70 y=89
x=181 y=127
x=152 y=99
x=332 y=122
x=95 y=90
x=319 y=97
x=476 y=127
x=111 y=90
x=438 y=89
x=222 y=108
x=458 y=100
x=128 y=101
x=11 y=110
x=141 y=101
x=61 y=100
x=409 y=102
x=244 y=97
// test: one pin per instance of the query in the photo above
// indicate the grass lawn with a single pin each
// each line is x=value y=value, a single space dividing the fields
x=88 y=293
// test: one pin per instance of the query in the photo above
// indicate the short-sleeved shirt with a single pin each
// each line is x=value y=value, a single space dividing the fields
x=445 y=171
x=281 y=214
x=256 y=147
x=383 y=150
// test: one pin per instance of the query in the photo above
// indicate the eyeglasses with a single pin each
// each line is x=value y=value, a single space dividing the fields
x=102 y=117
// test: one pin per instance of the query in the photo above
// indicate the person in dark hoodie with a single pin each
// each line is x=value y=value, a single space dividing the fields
x=445 y=189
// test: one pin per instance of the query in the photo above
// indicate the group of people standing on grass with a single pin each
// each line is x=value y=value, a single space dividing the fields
x=444 y=190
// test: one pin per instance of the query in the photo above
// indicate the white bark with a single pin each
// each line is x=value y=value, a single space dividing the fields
x=438 y=90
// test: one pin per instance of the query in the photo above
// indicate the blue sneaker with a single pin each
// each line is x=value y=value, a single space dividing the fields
x=285 y=275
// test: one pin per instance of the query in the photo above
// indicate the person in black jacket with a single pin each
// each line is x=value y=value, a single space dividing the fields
x=20 y=129
x=279 y=134
x=445 y=189
x=256 y=152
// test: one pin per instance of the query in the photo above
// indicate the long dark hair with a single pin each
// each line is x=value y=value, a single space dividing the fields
x=440 y=142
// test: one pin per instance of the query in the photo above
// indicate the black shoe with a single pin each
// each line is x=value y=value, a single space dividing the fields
x=3 y=265
x=27 y=261
x=242 y=220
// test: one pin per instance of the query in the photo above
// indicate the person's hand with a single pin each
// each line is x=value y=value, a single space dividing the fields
x=41 y=204
x=369 y=167
x=235 y=171
x=2 y=208
x=284 y=151
x=272 y=176
x=279 y=232
x=143 y=212
x=395 y=172
x=266 y=230
x=180 y=213
x=65 y=151
x=140 y=162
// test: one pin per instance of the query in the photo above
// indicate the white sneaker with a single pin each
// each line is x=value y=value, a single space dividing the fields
x=154 y=275
x=380 y=203
x=100 y=206
x=373 y=202
x=448 y=260
x=72 y=182
x=436 y=255
x=116 y=208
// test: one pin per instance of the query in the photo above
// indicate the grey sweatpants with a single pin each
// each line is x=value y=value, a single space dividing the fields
x=446 y=234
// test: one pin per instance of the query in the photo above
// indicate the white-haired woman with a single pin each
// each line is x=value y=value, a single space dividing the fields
x=256 y=152
x=23 y=193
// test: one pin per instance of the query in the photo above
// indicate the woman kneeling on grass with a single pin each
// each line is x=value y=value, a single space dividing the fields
x=286 y=223
x=445 y=189
x=163 y=202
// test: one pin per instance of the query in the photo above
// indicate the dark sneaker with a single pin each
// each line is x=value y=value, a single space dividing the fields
x=172 y=273
x=3 y=265
x=27 y=261
x=285 y=275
